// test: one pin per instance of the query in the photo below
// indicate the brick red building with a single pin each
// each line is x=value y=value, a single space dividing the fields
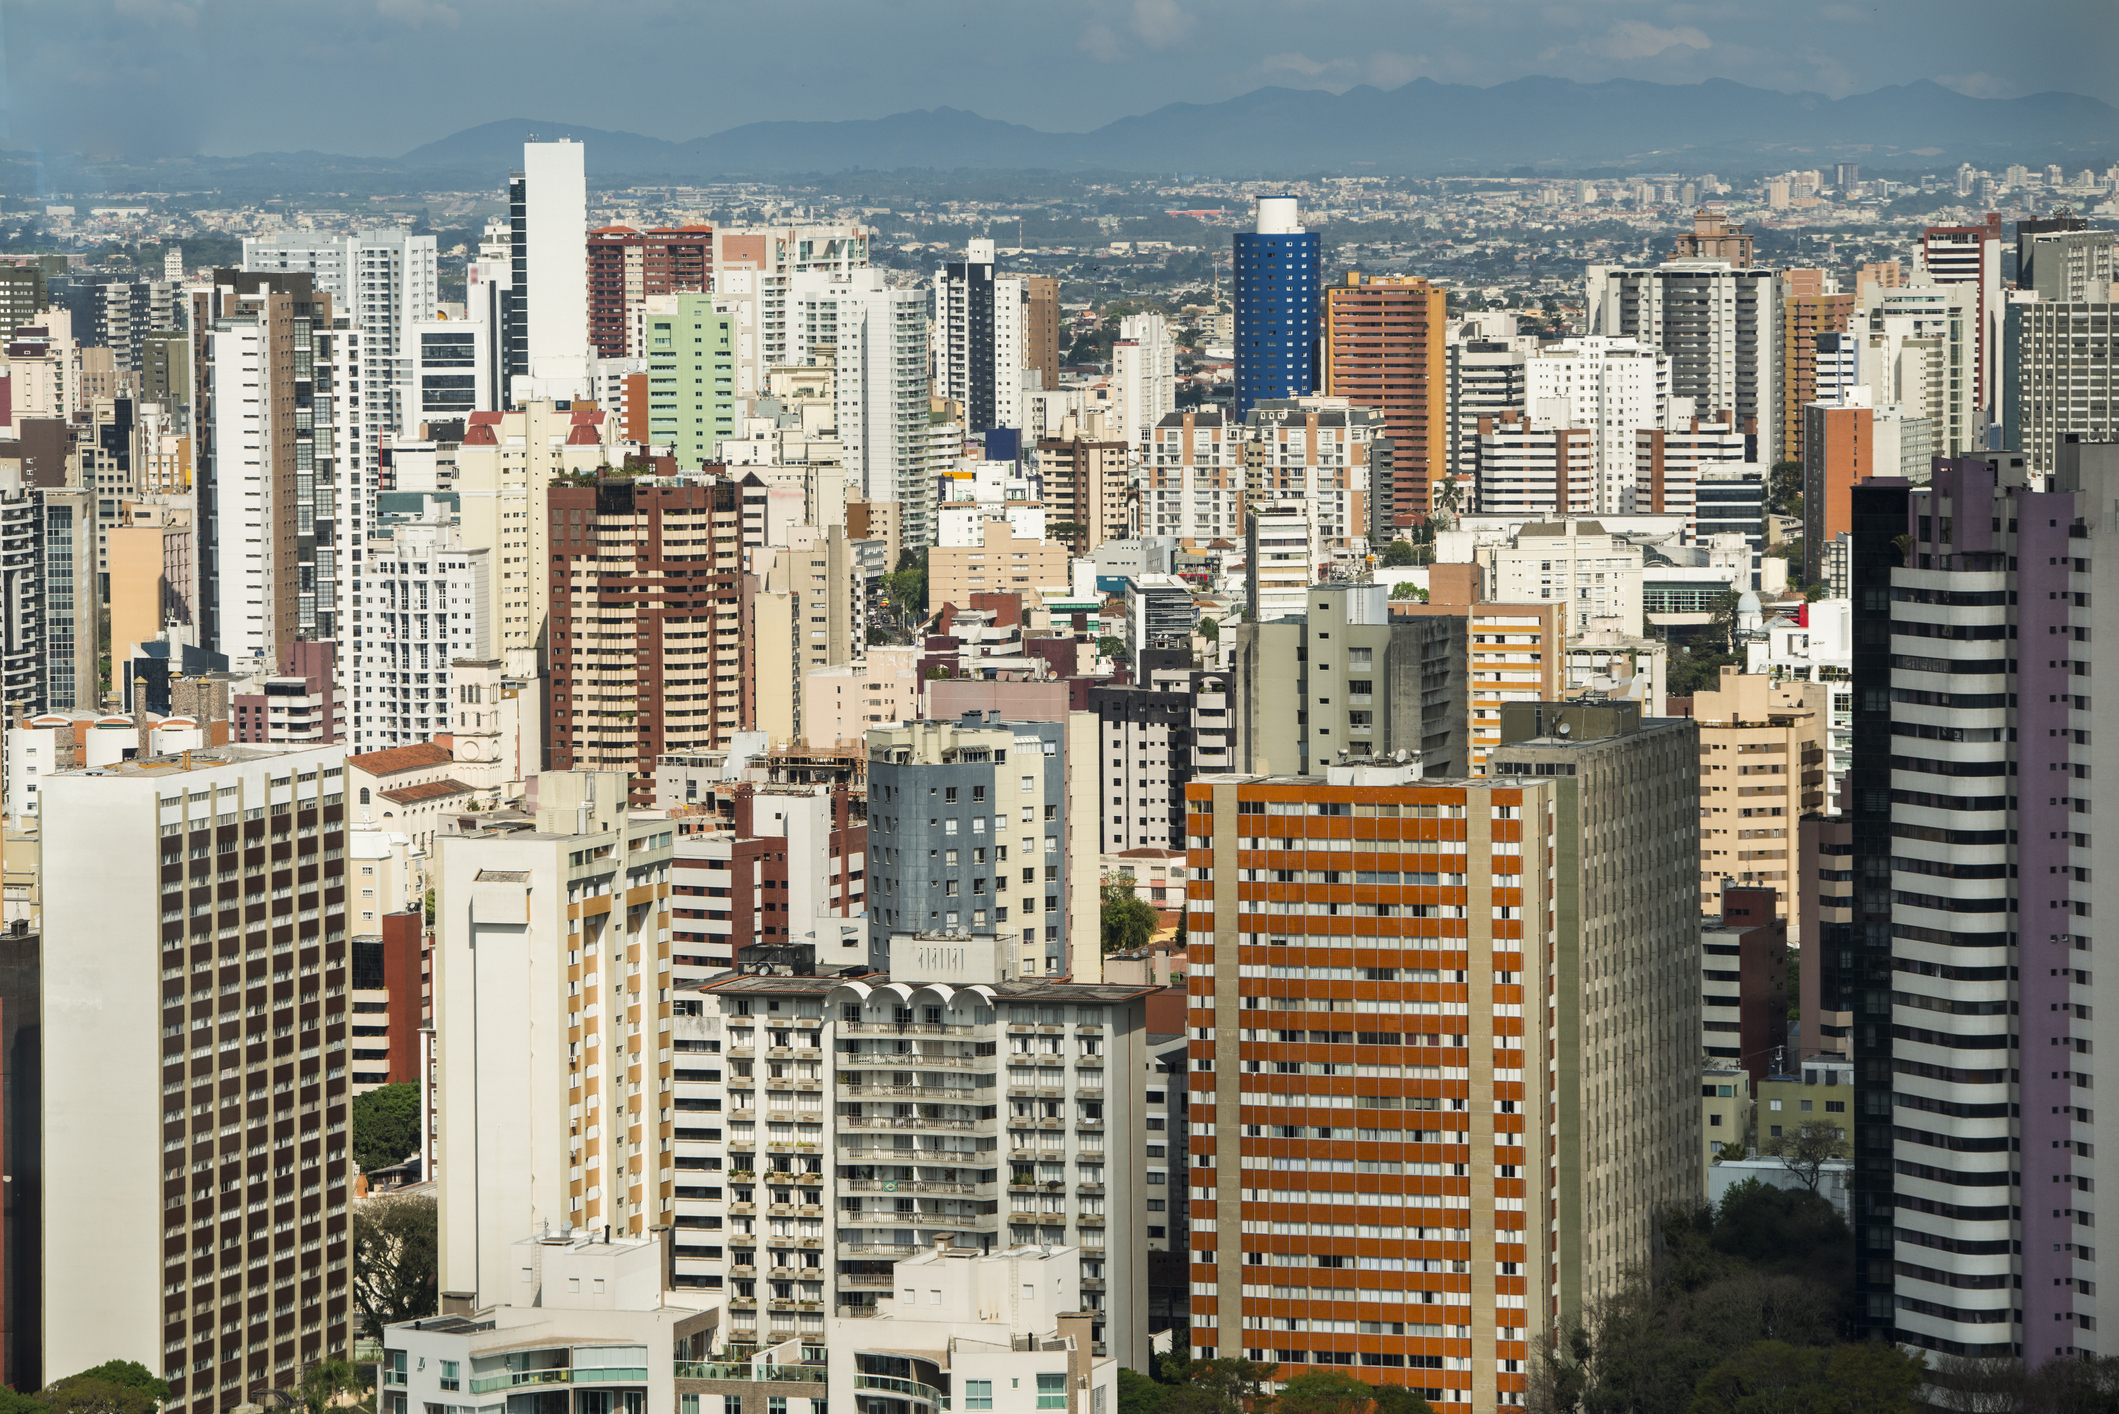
x=1383 y=349
x=626 y=266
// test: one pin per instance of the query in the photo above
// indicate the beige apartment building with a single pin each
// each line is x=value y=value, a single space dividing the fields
x=1002 y=564
x=807 y=615
x=1762 y=768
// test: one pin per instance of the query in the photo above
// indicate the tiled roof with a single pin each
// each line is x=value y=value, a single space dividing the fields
x=433 y=790
x=423 y=755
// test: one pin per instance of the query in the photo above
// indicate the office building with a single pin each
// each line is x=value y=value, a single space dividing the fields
x=1719 y=323
x=1383 y=1177
x=1192 y=484
x=207 y=1179
x=1277 y=316
x=1627 y=1062
x=968 y=830
x=1333 y=457
x=627 y=266
x=69 y=673
x=648 y=641
x=2057 y=375
x=22 y=294
x=453 y=369
x=1345 y=681
x=382 y=281
x=426 y=608
x=1383 y=349
x=877 y=339
x=551 y=975
x=543 y=311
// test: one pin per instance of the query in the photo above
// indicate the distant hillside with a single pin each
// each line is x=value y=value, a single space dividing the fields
x=1423 y=127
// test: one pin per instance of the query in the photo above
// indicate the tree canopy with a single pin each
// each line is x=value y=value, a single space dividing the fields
x=1128 y=923
x=396 y=1259
x=385 y=1126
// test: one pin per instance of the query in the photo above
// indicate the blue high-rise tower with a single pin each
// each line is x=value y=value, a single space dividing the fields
x=1277 y=306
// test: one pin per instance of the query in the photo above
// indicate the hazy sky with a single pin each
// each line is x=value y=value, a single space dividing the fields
x=377 y=77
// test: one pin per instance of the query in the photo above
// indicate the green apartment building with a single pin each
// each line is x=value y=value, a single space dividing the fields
x=691 y=377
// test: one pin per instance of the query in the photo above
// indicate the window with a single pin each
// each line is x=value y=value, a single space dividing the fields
x=1052 y=1391
x=731 y=1404
x=978 y=1394
x=393 y=1367
x=449 y=1376
x=687 y=1404
x=776 y=1404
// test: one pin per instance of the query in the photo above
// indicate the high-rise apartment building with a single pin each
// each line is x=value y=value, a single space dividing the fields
x=1515 y=652
x=1804 y=319
x=1192 y=484
x=552 y=1063
x=1918 y=347
x=1144 y=759
x=1346 y=681
x=1672 y=463
x=1971 y=256
x=1326 y=454
x=691 y=366
x=381 y=281
x=1969 y=966
x=2058 y=374
x=1041 y=327
x=1383 y=349
x=194 y=1054
x=425 y=608
x=1614 y=387
x=1719 y=323
x=1143 y=376
x=544 y=308
x=1389 y=1220
x=1762 y=769
x=646 y=621
x=626 y=266
x=1524 y=466
x=968 y=830
x=1087 y=483
x=1486 y=379
x=805 y=611
x=1713 y=237
x=1626 y=1056
x=979 y=329
x=2064 y=263
x=875 y=340
x=283 y=501
x=1277 y=315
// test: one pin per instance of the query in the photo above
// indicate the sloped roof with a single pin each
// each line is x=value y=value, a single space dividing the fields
x=395 y=760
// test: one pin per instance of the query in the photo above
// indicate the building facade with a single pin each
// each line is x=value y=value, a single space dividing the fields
x=1383 y=350
x=1277 y=315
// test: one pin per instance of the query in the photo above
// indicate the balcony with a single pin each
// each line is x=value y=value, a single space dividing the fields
x=776 y=1374
x=904 y=1389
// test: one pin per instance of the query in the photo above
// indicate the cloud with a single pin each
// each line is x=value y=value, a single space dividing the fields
x=1981 y=85
x=1638 y=39
x=1382 y=68
x=1160 y=23
x=1100 y=44
x=418 y=12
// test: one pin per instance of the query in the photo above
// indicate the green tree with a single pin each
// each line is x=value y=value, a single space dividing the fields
x=1323 y=1392
x=1805 y=1152
x=1128 y=923
x=1784 y=489
x=133 y=1375
x=1225 y=1386
x=15 y=1402
x=1396 y=1399
x=385 y=1126
x=1406 y=589
x=1399 y=552
x=82 y=1394
x=396 y=1257
x=1210 y=630
x=1773 y=1377
x=1137 y=1394
x=1066 y=531
x=325 y=1381
x=1722 y=619
x=1115 y=648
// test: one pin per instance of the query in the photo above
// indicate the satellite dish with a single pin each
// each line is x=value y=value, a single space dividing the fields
x=1565 y=728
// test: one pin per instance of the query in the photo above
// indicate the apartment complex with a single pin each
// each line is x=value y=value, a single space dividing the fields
x=1762 y=768
x=1192 y=478
x=194 y=1069
x=648 y=642
x=628 y=266
x=1333 y=457
x=1383 y=350
x=1364 y=685
x=1719 y=323
x=691 y=366
x=1277 y=314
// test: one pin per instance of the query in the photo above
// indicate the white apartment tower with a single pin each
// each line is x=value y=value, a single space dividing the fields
x=1192 y=478
x=877 y=339
x=382 y=281
x=1143 y=375
x=194 y=1070
x=1612 y=387
x=546 y=326
x=1720 y=326
x=426 y=606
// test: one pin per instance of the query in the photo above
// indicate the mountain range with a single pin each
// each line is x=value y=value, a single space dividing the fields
x=1422 y=127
